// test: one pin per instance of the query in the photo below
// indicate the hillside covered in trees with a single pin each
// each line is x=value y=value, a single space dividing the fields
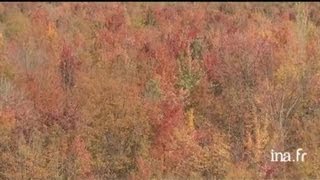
x=158 y=90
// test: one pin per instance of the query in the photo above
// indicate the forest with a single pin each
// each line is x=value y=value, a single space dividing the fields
x=158 y=90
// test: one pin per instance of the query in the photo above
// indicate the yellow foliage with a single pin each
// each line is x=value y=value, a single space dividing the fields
x=17 y=25
x=7 y=121
x=1 y=40
x=265 y=34
x=190 y=118
x=240 y=172
x=51 y=32
x=262 y=138
x=287 y=72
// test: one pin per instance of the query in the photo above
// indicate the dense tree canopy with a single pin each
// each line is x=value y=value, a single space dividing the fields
x=158 y=90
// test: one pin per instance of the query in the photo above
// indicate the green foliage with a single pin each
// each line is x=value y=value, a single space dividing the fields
x=188 y=80
x=6 y=72
x=142 y=20
x=153 y=90
x=149 y=19
x=196 y=49
x=17 y=25
x=216 y=88
x=188 y=76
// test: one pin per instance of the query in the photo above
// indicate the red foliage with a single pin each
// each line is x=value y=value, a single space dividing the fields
x=169 y=118
x=83 y=158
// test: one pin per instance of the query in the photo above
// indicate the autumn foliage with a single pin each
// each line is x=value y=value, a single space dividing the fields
x=158 y=90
